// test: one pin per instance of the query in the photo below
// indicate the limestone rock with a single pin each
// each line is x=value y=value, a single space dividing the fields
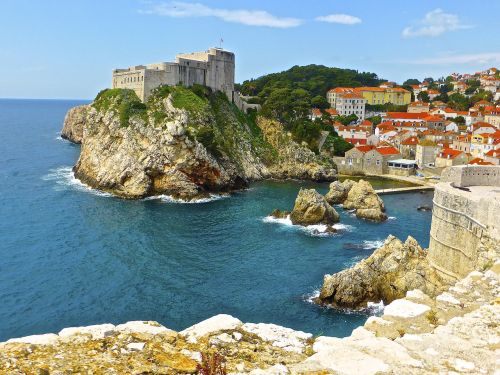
x=286 y=338
x=216 y=323
x=279 y=214
x=312 y=208
x=74 y=123
x=365 y=201
x=158 y=153
x=387 y=274
x=338 y=191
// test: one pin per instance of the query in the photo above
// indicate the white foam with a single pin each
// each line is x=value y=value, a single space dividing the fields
x=311 y=297
x=59 y=138
x=170 y=199
x=317 y=230
x=375 y=244
x=391 y=218
x=372 y=308
x=65 y=179
x=375 y=308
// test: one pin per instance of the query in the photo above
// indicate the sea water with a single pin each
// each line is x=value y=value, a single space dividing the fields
x=73 y=256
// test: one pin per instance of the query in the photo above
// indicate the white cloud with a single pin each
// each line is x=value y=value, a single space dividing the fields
x=463 y=59
x=178 y=9
x=435 y=23
x=344 y=19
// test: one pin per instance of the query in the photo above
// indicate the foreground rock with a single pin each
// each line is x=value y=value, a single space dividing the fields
x=187 y=148
x=455 y=332
x=74 y=123
x=365 y=201
x=386 y=275
x=338 y=191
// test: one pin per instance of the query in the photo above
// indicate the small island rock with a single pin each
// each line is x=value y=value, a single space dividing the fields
x=312 y=208
x=365 y=201
x=338 y=191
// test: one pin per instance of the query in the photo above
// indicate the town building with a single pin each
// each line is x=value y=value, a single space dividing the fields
x=418 y=107
x=426 y=153
x=448 y=157
x=402 y=167
x=492 y=116
x=213 y=68
x=493 y=156
x=350 y=103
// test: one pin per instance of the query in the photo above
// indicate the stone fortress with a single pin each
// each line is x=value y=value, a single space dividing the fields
x=213 y=68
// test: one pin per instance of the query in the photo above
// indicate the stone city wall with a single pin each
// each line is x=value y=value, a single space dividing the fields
x=465 y=230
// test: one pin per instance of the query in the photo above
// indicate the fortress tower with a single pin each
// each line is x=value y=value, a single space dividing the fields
x=213 y=68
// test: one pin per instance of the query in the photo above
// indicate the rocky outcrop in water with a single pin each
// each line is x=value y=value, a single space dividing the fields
x=74 y=123
x=386 y=275
x=312 y=208
x=365 y=201
x=338 y=191
x=182 y=144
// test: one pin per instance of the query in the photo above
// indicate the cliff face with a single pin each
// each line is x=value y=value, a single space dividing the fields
x=182 y=144
x=74 y=122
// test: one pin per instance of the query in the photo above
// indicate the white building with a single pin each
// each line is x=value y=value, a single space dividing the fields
x=351 y=104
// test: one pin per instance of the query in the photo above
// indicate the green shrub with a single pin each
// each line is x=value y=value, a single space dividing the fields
x=186 y=99
x=124 y=101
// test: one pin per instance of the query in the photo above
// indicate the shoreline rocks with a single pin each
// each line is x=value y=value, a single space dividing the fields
x=386 y=275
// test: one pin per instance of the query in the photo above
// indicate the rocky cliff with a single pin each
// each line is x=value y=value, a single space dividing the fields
x=74 y=122
x=386 y=275
x=185 y=143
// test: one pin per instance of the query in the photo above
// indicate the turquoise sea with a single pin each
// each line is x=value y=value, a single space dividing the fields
x=70 y=256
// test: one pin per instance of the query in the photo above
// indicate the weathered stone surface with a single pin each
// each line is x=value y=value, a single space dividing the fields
x=45 y=339
x=387 y=274
x=279 y=214
x=74 y=122
x=338 y=191
x=365 y=201
x=312 y=208
x=213 y=324
x=286 y=338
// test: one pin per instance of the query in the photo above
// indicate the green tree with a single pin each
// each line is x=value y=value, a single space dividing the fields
x=459 y=120
x=320 y=102
x=423 y=96
x=411 y=81
x=459 y=102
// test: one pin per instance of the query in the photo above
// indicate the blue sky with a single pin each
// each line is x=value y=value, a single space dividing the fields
x=67 y=49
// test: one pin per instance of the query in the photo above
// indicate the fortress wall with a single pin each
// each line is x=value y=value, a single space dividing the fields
x=465 y=229
x=472 y=176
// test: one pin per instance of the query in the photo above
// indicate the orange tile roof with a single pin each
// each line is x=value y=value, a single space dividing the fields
x=432 y=92
x=387 y=150
x=493 y=154
x=479 y=161
x=406 y=115
x=331 y=111
x=365 y=149
x=367 y=123
x=354 y=95
x=449 y=153
x=412 y=141
x=433 y=118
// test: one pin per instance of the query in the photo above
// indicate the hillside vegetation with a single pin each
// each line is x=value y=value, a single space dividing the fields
x=289 y=96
